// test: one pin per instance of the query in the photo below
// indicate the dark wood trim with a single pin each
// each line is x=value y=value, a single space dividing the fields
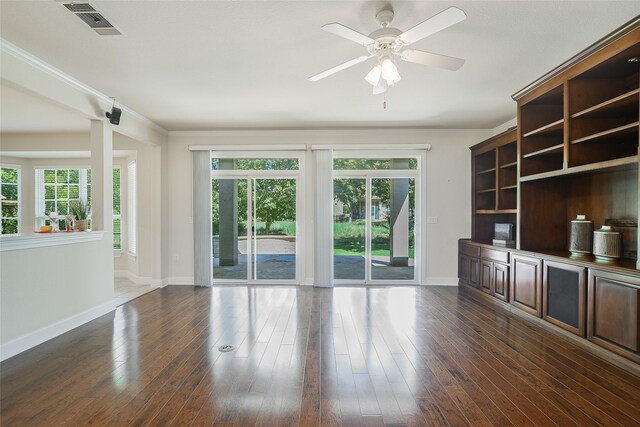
x=596 y=47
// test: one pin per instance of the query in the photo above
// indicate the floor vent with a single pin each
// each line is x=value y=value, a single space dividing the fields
x=92 y=18
x=226 y=348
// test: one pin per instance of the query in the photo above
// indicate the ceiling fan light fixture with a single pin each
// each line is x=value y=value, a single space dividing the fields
x=390 y=72
x=373 y=77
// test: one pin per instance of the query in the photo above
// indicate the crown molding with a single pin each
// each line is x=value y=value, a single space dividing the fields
x=21 y=54
x=504 y=127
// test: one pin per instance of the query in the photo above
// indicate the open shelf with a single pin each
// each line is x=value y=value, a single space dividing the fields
x=486 y=171
x=626 y=163
x=548 y=128
x=509 y=165
x=509 y=187
x=488 y=190
x=554 y=149
x=625 y=101
x=620 y=130
x=496 y=211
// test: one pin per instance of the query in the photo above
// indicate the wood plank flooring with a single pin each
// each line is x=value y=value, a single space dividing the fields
x=310 y=356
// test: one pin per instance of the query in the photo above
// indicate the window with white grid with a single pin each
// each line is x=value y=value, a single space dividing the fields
x=10 y=190
x=57 y=188
x=132 y=208
x=117 y=212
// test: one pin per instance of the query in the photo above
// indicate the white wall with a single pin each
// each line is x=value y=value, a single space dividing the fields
x=46 y=291
x=447 y=194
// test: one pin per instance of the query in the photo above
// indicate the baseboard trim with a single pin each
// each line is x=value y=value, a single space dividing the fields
x=441 y=281
x=138 y=280
x=180 y=280
x=37 y=337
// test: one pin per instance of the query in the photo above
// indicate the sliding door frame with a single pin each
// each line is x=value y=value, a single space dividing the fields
x=298 y=175
x=369 y=174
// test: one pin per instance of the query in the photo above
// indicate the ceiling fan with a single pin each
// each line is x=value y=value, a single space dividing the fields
x=387 y=42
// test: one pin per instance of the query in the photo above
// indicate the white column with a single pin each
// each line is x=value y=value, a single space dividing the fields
x=102 y=178
x=323 y=235
x=202 y=268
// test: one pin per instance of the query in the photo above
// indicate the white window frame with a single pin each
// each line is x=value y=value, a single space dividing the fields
x=19 y=169
x=119 y=216
x=40 y=201
x=132 y=219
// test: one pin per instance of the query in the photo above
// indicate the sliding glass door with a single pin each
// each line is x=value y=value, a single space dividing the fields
x=254 y=218
x=375 y=220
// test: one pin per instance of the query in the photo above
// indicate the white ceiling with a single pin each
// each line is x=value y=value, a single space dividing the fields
x=228 y=64
x=20 y=112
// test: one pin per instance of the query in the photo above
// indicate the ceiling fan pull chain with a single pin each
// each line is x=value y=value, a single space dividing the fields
x=384 y=102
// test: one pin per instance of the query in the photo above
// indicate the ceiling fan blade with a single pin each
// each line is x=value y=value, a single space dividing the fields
x=347 y=33
x=340 y=67
x=438 y=22
x=432 y=59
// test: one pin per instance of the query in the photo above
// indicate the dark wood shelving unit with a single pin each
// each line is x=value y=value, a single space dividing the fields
x=575 y=152
x=494 y=180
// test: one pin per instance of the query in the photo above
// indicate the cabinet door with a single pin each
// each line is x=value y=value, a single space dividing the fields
x=474 y=272
x=526 y=284
x=501 y=281
x=463 y=269
x=564 y=296
x=486 y=275
x=613 y=319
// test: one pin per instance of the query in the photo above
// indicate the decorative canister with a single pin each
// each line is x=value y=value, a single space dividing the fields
x=607 y=244
x=581 y=240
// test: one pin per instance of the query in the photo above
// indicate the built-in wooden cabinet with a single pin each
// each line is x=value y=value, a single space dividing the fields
x=495 y=184
x=614 y=312
x=564 y=294
x=526 y=284
x=575 y=151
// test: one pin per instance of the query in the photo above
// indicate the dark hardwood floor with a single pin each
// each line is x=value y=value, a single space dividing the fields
x=304 y=356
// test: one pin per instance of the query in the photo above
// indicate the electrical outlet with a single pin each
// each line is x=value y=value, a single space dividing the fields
x=190 y=220
x=432 y=220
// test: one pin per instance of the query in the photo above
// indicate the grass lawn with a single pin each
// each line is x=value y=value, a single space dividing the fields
x=348 y=237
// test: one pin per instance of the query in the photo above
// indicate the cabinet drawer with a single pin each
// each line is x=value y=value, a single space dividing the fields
x=470 y=250
x=494 y=255
x=614 y=312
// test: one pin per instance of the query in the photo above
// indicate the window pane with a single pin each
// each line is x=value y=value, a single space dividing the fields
x=49 y=206
x=9 y=176
x=10 y=191
x=50 y=176
x=9 y=226
x=9 y=210
x=254 y=164
x=74 y=192
x=375 y=164
x=63 y=207
x=117 y=236
x=116 y=191
x=74 y=176
x=88 y=176
x=49 y=191
x=63 y=192
x=62 y=176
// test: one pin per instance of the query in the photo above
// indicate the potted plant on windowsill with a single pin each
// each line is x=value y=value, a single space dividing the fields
x=80 y=210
